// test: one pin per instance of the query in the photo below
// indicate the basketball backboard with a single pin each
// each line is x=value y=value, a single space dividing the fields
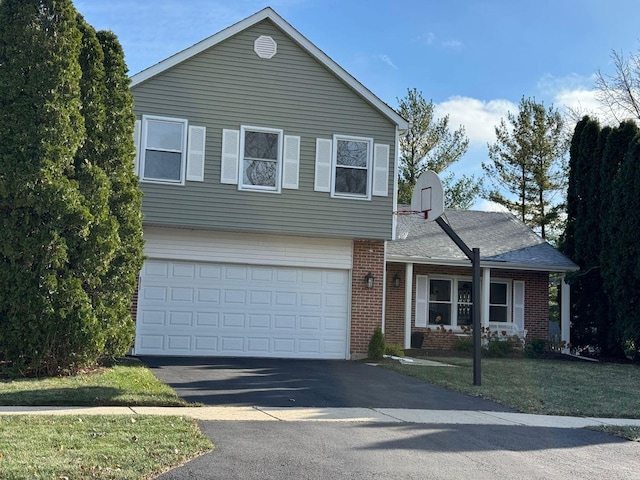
x=428 y=196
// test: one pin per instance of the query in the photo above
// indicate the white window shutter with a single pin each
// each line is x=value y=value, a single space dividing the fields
x=422 y=300
x=323 y=165
x=195 y=153
x=291 y=162
x=230 y=156
x=137 y=127
x=518 y=304
x=380 y=170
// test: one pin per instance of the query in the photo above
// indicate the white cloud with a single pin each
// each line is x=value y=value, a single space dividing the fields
x=387 y=59
x=453 y=44
x=489 y=206
x=427 y=38
x=478 y=117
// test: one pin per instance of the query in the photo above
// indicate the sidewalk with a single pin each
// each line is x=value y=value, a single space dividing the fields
x=377 y=415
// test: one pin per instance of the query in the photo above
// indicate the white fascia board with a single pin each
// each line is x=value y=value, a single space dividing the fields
x=487 y=264
x=314 y=51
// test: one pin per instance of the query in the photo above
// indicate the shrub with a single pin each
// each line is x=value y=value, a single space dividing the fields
x=376 y=345
x=394 y=349
x=535 y=348
x=498 y=348
x=463 y=344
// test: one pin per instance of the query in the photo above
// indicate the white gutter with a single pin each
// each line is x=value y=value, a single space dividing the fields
x=483 y=263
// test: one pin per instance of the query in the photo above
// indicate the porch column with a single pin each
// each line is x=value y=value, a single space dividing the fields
x=486 y=289
x=565 y=315
x=408 y=297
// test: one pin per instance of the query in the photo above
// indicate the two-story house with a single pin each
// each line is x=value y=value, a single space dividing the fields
x=269 y=178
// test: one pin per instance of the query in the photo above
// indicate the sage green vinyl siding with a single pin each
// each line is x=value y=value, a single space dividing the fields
x=227 y=86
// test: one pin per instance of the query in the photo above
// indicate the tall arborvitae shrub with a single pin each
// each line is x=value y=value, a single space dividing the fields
x=614 y=152
x=58 y=234
x=624 y=279
x=580 y=227
x=125 y=202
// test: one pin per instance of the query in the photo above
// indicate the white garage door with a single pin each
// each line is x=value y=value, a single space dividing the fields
x=209 y=309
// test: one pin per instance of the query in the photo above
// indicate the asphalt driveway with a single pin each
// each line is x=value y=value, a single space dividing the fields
x=304 y=383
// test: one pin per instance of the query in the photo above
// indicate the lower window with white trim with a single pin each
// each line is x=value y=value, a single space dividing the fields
x=447 y=301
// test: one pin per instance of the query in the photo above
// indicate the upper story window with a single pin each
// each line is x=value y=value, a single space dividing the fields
x=261 y=159
x=352 y=167
x=163 y=149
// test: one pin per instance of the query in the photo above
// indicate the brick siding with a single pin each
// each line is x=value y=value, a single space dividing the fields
x=536 y=290
x=366 y=304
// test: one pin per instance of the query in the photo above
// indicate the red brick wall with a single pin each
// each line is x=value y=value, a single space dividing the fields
x=134 y=302
x=366 y=304
x=536 y=318
x=394 y=307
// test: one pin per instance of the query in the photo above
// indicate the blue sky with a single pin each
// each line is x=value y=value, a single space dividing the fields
x=474 y=58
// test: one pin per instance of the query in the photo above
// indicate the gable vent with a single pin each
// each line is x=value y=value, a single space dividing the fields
x=265 y=46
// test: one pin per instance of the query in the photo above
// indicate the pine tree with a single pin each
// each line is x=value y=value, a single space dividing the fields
x=431 y=145
x=528 y=164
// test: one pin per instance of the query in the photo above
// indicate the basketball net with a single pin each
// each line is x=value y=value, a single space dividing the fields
x=405 y=219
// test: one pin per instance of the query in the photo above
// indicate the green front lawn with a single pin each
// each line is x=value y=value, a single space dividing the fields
x=552 y=387
x=107 y=447
x=128 y=382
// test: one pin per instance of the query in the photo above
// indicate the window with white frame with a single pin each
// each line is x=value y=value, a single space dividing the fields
x=352 y=166
x=163 y=150
x=260 y=158
x=499 y=302
x=448 y=301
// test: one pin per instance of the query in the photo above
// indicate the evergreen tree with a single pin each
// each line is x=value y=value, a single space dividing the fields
x=620 y=249
x=70 y=228
x=567 y=243
x=586 y=291
x=125 y=202
x=44 y=312
x=528 y=164
x=431 y=145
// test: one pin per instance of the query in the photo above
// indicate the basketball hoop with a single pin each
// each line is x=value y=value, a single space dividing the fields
x=405 y=219
x=427 y=204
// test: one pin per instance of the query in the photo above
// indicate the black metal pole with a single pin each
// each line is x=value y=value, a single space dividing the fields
x=474 y=256
x=475 y=317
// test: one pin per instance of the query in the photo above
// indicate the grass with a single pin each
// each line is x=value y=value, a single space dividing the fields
x=552 y=387
x=630 y=433
x=128 y=382
x=107 y=447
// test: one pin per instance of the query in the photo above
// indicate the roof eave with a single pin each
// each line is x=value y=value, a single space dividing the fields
x=269 y=13
x=483 y=263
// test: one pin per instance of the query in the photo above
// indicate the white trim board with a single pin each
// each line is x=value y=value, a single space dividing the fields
x=242 y=248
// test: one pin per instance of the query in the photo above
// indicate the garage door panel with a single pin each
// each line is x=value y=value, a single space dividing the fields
x=154 y=293
x=186 y=308
x=208 y=295
x=181 y=294
x=207 y=319
x=152 y=317
x=179 y=270
x=260 y=321
x=205 y=345
x=209 y=272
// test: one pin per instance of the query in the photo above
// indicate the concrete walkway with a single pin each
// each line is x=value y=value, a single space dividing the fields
x=377 y=415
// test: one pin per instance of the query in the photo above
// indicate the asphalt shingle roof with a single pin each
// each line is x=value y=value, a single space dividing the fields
x=503 y=241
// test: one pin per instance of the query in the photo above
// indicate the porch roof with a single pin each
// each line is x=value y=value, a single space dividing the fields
x=504 y=242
